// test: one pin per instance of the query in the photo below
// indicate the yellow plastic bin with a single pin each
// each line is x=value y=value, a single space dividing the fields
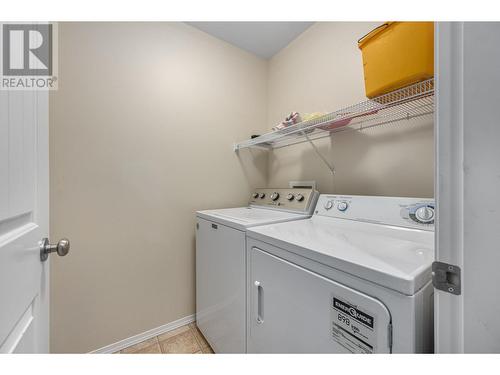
x=397 y=54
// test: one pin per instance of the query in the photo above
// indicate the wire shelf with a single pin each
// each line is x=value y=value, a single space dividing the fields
x=407 y=103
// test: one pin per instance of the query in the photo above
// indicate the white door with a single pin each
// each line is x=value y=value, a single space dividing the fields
x=293 y=310
x=468 y=185
x=24 y=218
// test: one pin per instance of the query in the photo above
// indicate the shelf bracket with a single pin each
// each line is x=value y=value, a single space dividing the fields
x=329 y=165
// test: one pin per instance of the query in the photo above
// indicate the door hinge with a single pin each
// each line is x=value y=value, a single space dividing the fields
x=197 y=225
x=389 y=335
x=446 y=277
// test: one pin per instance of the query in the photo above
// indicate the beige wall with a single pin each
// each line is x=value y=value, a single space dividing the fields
x=322 y=71
x=141 y=132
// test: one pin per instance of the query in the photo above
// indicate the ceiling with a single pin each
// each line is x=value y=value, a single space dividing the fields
x=263 y=39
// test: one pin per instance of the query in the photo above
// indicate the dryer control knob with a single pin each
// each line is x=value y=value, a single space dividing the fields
x=262 y=195
x=275 y=196
x=255 y=195
x=342 y=206
x=328 y=205
x=425 y=214
x=290 y=196
x=299 y=197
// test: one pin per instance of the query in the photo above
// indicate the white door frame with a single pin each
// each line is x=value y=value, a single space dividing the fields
x=467 y=184
x=448 y=319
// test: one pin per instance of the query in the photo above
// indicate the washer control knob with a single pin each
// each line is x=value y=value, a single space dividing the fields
x=262 y=195
x=275 y=196
x=290 y=196
x=299 y=197
x=342 y=206
x=425 y=214
x=328 y=205
x=255 y=195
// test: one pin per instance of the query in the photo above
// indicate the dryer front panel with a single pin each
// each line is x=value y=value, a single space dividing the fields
x=293 y=310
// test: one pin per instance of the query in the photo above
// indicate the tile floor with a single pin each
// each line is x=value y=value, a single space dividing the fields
x=183 y=340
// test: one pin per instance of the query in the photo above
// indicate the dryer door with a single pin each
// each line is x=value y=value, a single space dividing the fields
x=293 y=310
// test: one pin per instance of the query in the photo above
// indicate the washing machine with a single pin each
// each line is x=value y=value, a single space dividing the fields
x=354 y=278
x=221 y=261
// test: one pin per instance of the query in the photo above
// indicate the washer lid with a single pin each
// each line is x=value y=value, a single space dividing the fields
x=394 y=257
x=245 y=217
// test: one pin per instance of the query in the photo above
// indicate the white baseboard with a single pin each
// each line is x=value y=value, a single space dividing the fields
x=113 y=348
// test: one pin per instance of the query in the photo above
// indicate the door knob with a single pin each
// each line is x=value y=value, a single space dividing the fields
x=62 y=248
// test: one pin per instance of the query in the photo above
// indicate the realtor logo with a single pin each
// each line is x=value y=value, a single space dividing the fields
x=27 y=61
x=27 y=50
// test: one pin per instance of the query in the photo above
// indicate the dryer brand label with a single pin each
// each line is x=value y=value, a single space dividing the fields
x=352 y=327
x=360 y=316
